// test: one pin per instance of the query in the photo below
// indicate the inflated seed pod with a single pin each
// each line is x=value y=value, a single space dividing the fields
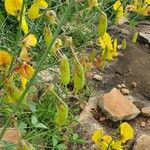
x=135 y=37
x=124 y=44
x=24 y=145
x=78 y=76
x=102 y=23
x=47 y=35
x=12 y=90
x=62 y=113
x=64 y=70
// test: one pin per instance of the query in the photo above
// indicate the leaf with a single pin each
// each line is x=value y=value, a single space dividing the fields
x=41 y=125
x=55 y=142
x=32 y=106
x=126 y=132
x=34 y=120
x=62 y=114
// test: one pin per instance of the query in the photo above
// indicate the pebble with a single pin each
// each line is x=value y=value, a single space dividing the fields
x=146 y=111
x=143 y=124
x=123 y=85
x=119 y=86
x=134 y=84
x=125 y=91
x=97 y=77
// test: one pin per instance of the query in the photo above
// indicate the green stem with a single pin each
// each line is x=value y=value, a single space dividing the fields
x=44 y=56
x=16 y=49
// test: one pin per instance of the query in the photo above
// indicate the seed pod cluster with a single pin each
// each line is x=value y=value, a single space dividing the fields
x=24 y=145
x=102 y=23
x=64 y=70
x=78 y=75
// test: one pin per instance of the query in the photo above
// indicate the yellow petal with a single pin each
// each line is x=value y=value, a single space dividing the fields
x=118 y=6
x=126 y=132
x=107 y=139
x=24 y=25
x=24 y=54
x=29 y=41
x=13 y=7
x=25 y=71
x=24 y=82
x=9 y=99
x=33 y=12
x=97 y=135
x=117 y=145
x=147 y=1
x=5 y=58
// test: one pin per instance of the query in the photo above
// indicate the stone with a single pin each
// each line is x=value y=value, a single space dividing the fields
x=10 y=136
x=125 y=91
x=134 y=84
x=142 y=143
x=143 y=124
x=117 y=107
x=146 y=111
x=97 y=77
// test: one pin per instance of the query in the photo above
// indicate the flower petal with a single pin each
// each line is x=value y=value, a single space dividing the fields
x=29 y=41
x=5 y=58
x=13 y=7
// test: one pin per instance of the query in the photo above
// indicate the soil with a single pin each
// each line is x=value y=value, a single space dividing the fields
x=133 y=64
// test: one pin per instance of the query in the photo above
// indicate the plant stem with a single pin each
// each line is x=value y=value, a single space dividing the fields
x=44 y=56
x=16 y=49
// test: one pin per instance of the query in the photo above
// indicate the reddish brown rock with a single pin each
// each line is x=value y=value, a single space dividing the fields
x=10 y=136
x=117 y=106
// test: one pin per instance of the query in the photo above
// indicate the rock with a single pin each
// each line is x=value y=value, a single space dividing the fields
x=144 y=37
x=117 y=107
x=10 y=136
x=142 y=143
x=125 y=91
x=146 y=111
x=119 y=86
x=123 y=85
x=143 y=124
x=134 y=84
x=97 y=77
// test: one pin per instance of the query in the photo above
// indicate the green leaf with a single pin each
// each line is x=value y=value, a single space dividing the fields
x=61 y=147
x=34 y=120
x=41 y=125
x=32 y=106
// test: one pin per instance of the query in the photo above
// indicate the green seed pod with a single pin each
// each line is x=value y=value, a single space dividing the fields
x=135 y=37
x=24 y=145
x=78 y=76
x=102 y=23
x=92 y=55
x=62 y=113
x=47 y=35
x=64 y=70
x=12 y=90
x=124 y=44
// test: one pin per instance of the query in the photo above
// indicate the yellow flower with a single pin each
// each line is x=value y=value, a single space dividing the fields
x=25 y=71
x=126 y=132
x=5 y=58
x=33 y=12
x=109 y=47
x=93 y=3
x=120 y=16
x=13 y=7
x=102 y=141
x=28 y=42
